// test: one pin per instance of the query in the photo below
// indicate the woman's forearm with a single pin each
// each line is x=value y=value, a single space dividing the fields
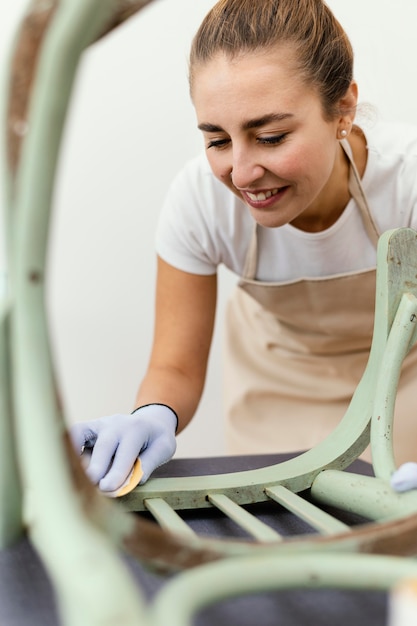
x=171 y=386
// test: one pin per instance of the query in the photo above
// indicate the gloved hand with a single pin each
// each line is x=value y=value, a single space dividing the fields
x=149 y=432
x=405 y=478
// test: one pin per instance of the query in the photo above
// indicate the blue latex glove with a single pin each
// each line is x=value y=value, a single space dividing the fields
x=405 y=478
x=149 y=432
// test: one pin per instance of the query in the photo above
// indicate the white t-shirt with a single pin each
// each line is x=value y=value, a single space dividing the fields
x=203 y=224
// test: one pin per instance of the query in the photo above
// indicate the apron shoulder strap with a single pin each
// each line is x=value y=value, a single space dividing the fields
x=251 y=260
x=358 y=194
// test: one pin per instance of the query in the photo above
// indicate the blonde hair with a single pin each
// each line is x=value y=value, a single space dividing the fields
x=323 y=51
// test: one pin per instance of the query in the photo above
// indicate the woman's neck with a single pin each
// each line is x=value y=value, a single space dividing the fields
x=336 y=195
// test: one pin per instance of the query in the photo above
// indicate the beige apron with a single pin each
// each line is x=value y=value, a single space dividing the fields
x=295 y=352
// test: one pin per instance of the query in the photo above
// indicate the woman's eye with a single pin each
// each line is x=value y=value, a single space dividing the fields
x=217 y=143
x=273 y=139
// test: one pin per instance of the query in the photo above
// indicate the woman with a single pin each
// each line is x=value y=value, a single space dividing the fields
x=292 y=196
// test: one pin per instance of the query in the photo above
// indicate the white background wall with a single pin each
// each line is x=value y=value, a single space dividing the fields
x=131 y=126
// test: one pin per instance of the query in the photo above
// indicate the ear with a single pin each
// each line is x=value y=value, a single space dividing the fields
x=347 y=105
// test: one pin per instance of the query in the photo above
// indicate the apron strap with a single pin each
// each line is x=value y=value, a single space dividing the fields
x=358 y=194
x=251 y=260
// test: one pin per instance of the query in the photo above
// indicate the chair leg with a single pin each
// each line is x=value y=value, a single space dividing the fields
x=77 y=536
x=11 y=524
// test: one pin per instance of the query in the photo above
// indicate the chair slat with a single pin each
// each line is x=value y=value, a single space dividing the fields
x=318 y=519
x=166 y=517
x=259 y=530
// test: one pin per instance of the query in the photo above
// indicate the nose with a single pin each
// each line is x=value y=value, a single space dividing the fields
x=245 y=169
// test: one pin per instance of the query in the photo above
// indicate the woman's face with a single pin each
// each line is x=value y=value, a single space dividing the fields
x=266 y=137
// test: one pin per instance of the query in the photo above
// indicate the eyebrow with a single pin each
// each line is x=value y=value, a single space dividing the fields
x=254 y=123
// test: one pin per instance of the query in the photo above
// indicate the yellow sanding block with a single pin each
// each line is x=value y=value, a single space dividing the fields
x=130 y=483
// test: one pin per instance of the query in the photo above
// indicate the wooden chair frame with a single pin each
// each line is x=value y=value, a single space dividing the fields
x=48 y=46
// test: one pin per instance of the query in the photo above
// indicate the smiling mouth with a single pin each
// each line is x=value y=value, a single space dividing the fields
x=262 y=195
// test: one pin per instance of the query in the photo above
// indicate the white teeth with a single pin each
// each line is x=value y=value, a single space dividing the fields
x=258 y=197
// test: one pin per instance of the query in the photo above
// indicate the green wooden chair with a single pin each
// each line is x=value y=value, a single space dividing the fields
x=49 y=497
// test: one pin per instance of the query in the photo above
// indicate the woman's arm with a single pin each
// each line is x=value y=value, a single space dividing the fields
x=184 y=320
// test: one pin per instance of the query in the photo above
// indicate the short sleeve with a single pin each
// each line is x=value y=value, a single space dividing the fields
x=202 y=224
